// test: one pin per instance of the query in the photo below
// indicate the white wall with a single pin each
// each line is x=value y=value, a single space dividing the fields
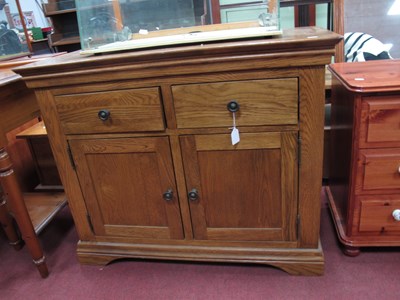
x=370 y=16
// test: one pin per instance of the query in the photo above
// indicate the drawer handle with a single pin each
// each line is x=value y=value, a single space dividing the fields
x=193 y=195
x=104 y=114
x=233 y=106
x=396 y=214
x=168 y=195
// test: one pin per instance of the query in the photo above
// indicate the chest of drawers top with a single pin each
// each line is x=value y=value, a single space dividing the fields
x=306 y=46
x=369 y=77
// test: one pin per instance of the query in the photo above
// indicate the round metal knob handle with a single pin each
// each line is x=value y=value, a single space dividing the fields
x=193 y=195
x=104 y=114
x=396 y=214
x=233 y=106
x=168 y=195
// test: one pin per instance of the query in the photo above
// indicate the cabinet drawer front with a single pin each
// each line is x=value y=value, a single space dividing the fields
x=129 y=110
x=377 y=215
x=262 y=102
x=381 y=120
x=379 y=169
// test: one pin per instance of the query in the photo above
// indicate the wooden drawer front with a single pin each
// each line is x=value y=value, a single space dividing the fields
x=376 y=215
x=381 y=120
x=130 y=110
x=379 y=169
x=262 y=102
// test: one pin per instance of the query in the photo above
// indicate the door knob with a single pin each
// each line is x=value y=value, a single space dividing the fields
x=396 y=214
x=104 y=114
x=233 y=106
x=168 y=195
x=193 y=195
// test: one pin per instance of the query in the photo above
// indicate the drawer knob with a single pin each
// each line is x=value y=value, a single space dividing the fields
x=104 y=114
x=396 y=214
x=168 y=195
x=193 y=195
x=233 y=106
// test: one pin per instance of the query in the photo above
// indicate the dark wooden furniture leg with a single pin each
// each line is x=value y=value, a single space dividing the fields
x=10 y=186
x=6 y=222
x=351 y=251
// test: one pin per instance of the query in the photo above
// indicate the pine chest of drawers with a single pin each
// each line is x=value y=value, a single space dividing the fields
x=364 y=184
x=142 y=141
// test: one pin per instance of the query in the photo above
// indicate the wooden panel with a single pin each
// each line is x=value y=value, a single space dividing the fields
x=244 y=194
x=312 y=100
x=44 y=161
x=381 y=120
x=338 y=27
x=20 y=104
x=130 y=110
x=123 y=181
x=262 y=140
x=262 y=102
x=42 y=207
x=377 y=216
x=379 y=169
x=36 y=137
x=341 y=150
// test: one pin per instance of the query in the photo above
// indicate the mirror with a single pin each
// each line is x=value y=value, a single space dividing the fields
x=14 y=40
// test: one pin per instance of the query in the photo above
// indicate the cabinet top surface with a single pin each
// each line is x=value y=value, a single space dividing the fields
x=298 y=39
x=7 y=75
x=369 y=76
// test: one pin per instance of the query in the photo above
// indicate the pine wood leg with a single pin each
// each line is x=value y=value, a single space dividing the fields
x=10 y=186
x=6 y=222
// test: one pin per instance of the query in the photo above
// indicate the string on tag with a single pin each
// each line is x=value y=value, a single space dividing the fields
x=235 y=137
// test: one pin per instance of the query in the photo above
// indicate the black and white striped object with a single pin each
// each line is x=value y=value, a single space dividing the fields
x=360 y=46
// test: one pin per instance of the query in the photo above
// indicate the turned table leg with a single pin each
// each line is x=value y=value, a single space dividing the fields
x=16 y=201
x=6 y=222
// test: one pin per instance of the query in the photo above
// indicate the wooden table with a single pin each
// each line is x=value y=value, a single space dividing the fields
x=18 y=105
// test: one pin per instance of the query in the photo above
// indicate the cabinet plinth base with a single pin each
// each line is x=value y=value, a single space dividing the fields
x=352 y=244
x=293 y=261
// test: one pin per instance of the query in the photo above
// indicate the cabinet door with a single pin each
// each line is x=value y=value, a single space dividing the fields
x=123 y=182
x=246 y=192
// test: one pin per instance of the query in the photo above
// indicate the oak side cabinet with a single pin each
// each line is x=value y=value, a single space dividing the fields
x=364 y=183
x=142 y=142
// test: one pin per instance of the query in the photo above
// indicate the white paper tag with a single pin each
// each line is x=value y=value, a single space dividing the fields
x=235 y=136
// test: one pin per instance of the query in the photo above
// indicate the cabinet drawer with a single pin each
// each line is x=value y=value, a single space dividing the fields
x=381 y=120
x=377 y=215
x=262 y=102
x=379 y=169
x=129 y=110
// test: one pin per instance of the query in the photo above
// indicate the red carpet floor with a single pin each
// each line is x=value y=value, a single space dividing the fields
x=375 y=274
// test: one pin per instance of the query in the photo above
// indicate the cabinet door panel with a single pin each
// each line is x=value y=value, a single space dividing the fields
x=123 y=181
x=246 y=192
